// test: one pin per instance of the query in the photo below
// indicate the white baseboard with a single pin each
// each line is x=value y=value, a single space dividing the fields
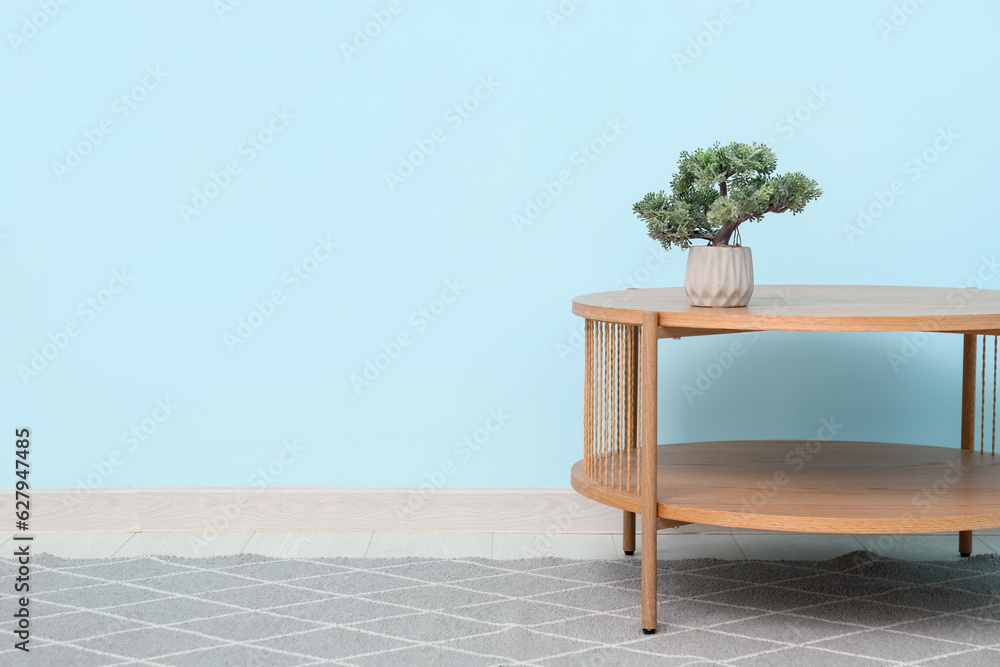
x=201 y=510
x=190 y=509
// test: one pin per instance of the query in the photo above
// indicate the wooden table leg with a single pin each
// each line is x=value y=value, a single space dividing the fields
x=968 y=420
x=631 y=427
x=628 y=533
x=650 y=320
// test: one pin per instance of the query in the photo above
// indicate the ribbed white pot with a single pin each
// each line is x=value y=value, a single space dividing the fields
x=719 y=276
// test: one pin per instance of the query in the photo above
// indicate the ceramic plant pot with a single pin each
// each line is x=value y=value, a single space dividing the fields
x=719 y=276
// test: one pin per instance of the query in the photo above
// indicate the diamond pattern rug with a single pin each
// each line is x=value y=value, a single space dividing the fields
x=248 y=610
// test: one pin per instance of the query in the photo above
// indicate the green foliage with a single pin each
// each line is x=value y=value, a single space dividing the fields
x=717 y=189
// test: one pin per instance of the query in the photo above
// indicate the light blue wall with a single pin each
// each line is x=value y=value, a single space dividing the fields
x=507 y=340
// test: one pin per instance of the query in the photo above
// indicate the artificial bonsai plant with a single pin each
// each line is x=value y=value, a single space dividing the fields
x=714 y=191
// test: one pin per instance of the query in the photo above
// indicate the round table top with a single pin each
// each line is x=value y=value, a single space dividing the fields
x=808 y=308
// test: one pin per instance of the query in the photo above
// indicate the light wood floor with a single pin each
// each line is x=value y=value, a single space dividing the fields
x=711 y=544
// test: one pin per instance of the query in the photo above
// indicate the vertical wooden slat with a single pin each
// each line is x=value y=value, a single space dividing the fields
x=597 y=398
x=622 y=400
x=612 y=404
x=639 y=403
x=604 y=403
x=631 y=414
x=982 y=408
x=968 y=419
x=599 y=435
x=587 y=379
x=614 y=400
x=616 y=391
x=613 y=412
x=632 y=360
x=648 y=473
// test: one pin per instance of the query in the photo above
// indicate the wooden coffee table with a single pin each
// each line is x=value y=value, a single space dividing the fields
x=840 y=487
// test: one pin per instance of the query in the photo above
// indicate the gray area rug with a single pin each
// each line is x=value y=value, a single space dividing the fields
x=858 y=609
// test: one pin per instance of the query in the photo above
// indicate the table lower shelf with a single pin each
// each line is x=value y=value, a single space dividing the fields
x=795 y=485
